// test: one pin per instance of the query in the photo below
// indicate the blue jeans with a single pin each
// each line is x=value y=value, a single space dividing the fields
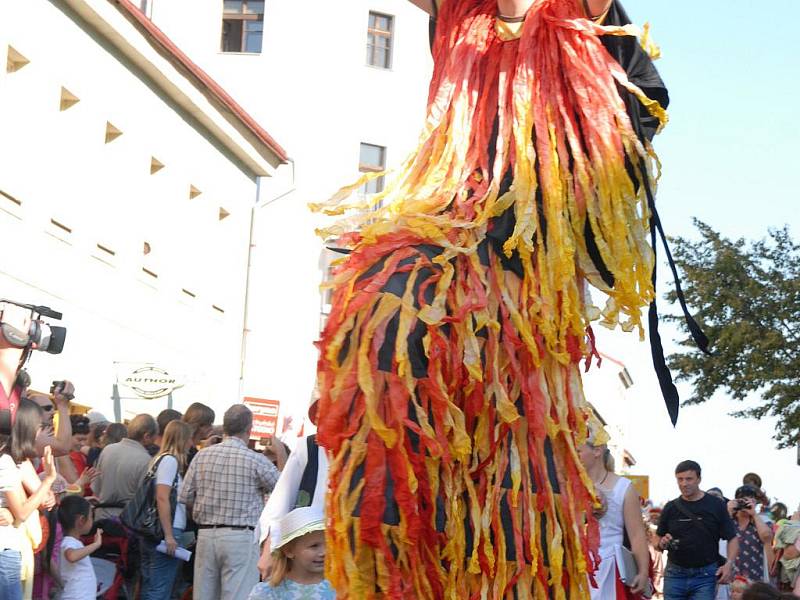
x=10 y=575
x=683 y=583
x=158 y=570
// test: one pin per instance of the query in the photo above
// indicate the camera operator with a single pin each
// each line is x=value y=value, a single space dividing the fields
x=755 y=536
x=690 y=529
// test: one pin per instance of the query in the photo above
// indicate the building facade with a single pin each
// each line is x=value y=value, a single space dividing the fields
x=347 y=82
x=128 y=180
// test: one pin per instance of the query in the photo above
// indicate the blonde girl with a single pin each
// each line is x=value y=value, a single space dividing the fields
x=298 y=560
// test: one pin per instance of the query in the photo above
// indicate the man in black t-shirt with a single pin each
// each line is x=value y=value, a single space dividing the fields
x=690 y=528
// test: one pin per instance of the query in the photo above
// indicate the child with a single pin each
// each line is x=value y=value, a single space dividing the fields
x=299 y=560
x=738 y=586
x=77 y=573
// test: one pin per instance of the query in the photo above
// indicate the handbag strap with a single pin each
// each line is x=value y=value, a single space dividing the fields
x=697 y=521
x=151 y=473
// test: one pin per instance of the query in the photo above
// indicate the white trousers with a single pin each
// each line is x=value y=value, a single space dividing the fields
x=225 y=567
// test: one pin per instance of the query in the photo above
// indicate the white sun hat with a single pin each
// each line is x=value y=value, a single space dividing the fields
x=299 y=522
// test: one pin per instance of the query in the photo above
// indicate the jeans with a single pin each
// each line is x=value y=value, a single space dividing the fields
x=684 y=583
x=10 y=575
x=158 y=570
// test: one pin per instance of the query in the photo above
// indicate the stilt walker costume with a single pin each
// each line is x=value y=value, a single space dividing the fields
x=449 y=371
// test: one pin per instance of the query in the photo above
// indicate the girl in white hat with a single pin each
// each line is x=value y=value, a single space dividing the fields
x=298 y=571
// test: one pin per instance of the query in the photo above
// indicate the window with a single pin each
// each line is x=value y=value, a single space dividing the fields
x=242 y=25
x=372 y=160
x=379 y=40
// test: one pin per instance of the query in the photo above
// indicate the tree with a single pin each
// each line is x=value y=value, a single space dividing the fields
x=747 y=298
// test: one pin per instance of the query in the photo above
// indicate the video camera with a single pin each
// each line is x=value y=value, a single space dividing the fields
x=36 y=334
x=40 y=335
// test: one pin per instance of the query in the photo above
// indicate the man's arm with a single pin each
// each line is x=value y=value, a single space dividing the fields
x=426 y=5
x=725 y=572
x=266 y=473
x=663 y=527
x=727 y=531
x=61 y=442
x=188 y=490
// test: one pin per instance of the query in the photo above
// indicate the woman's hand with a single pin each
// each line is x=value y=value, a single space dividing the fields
x=49 y=466
x=6 y=518
x=172 y=545
x=640 y=583
x=89 y=475
x=49 y=501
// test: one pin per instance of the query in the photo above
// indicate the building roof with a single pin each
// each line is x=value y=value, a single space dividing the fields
x=203 y=80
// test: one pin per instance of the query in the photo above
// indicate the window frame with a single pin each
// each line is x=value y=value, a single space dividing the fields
x=370 y=168
x=243 y=18
x=374 y=32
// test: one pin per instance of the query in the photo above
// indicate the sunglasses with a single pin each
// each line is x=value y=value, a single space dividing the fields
x=48 y=408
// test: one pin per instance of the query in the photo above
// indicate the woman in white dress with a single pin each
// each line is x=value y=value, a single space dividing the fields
x=621 y=512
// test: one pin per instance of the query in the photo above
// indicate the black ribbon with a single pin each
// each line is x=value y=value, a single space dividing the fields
x=668 y=389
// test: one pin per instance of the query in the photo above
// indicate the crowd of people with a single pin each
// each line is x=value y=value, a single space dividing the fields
x=176 y=507
x=721 y=548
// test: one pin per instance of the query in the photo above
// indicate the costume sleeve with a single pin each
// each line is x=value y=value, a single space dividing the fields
x=664 y=520
x=284 y=495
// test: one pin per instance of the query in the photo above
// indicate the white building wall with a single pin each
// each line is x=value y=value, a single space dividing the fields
x=312 y=72
x=58 y=166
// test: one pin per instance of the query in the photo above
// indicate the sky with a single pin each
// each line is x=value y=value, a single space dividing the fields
x=729 y=156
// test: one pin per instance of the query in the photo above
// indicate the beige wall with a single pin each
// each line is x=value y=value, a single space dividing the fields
x=57 y=164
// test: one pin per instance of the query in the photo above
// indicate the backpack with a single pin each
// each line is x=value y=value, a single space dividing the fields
x=140 y=514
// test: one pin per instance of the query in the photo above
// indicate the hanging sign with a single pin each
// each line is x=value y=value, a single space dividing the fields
x=265 y=416
x=149 y=381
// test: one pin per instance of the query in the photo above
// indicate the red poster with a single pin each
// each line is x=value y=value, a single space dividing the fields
x=265 y=416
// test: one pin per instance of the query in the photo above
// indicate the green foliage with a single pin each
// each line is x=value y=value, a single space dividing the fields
x=746 y=296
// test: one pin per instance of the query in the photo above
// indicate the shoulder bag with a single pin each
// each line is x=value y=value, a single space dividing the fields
x=140 y=514
x=720 y=560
